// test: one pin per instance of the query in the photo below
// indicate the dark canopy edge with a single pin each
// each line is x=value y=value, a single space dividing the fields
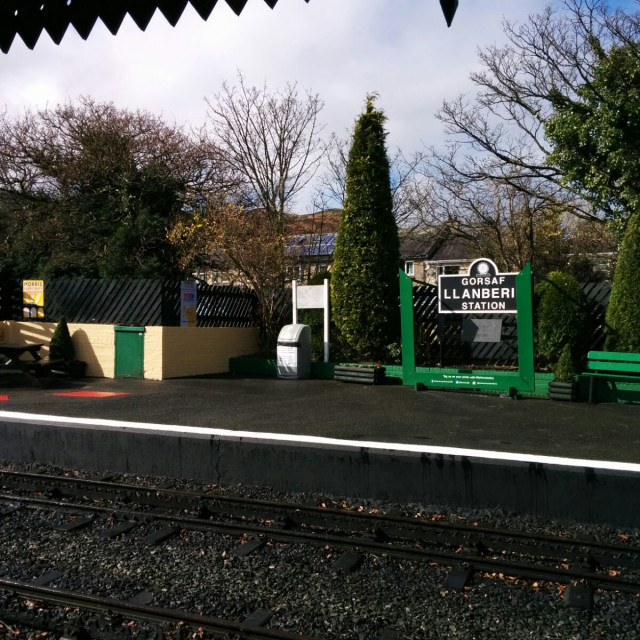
x=29 y=18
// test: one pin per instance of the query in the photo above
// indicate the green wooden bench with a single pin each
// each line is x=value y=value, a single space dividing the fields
x=611 y=365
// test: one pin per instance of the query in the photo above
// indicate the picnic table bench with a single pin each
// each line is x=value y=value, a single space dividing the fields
x=33 y=367
x=611 y=366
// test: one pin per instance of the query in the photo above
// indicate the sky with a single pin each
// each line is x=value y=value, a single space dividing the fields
x=340 y=49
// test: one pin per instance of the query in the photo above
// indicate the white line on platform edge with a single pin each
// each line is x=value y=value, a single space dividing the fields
x=359 y=444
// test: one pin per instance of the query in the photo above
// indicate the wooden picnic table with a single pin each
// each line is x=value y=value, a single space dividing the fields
x=12 y=354
x=23 y=359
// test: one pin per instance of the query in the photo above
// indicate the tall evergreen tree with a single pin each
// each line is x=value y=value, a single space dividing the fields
x=364 y=282
x=623 y=312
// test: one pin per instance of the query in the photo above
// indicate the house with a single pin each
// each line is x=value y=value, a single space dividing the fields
x=427 y=253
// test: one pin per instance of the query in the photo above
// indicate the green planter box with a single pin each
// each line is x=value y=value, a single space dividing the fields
x=567 y=391
x=360 y=375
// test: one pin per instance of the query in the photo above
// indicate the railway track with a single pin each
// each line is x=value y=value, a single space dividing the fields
x=257 y=535
x=464 y=548
x=125 y=610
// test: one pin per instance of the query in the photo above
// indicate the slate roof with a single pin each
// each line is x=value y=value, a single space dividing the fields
x=305 y=245
x=438 y=244
x=28 y=18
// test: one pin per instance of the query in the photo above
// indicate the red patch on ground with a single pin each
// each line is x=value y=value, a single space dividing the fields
x=4 y=398
x=92 y=394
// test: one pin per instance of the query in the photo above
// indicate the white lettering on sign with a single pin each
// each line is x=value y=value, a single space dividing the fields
x=488 y=281
x=480 y=294
x=484 y=306
x=482 y=290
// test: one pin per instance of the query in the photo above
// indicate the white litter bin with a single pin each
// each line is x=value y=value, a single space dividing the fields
x=294 y=352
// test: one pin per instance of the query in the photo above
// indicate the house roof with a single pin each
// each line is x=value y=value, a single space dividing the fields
x=28 y=18
x=305 y=245
x=416 y=246
x=435 y=244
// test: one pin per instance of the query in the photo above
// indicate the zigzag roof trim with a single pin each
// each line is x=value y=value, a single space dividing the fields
x=29 y=18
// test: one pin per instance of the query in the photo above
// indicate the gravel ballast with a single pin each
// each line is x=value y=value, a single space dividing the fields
x=198 y=571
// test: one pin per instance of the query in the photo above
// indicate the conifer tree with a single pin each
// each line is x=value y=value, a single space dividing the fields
x=623 y=313
x=61 y=345
x=364 y=282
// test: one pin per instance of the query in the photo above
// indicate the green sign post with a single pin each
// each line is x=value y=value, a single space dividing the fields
x=509 y=382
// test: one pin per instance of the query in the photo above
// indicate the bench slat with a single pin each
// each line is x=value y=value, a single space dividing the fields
x=621 y=367
x=613 y=356
x=611 y=364
x=613 y=376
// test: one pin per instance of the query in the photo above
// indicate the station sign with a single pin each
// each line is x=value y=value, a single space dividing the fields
x=483 y=290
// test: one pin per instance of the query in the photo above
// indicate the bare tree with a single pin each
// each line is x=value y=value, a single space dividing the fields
x=499 y=134
x=331 y=186
x=512 y=222
x=271 y=139
x=244 y=245
x=89 y=189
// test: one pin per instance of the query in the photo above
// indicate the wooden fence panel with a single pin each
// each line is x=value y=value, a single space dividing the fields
x=97 y=301
x=132 y=302
x=226 y=306
x=438 y=336
x=598 y=294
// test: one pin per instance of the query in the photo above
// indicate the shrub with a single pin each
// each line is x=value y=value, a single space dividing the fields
x=565 y=370
x=562 y=316
x=623 y=313
x=364 y=283
x=61 y=345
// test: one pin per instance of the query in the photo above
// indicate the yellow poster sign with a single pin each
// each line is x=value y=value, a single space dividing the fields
x=33 y=298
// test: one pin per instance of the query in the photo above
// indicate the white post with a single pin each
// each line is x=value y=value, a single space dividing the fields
x=294 y=292
x=326 y=320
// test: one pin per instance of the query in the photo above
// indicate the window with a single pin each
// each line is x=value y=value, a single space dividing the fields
x=408 y=267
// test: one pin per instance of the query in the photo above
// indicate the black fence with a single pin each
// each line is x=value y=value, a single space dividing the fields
x=157 y=303
x=438 y=336
x=132 y=302
x=598 y=294
x=218 y=305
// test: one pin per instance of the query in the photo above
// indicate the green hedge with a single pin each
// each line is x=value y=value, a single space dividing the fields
x=623 y=313
x=562 y=315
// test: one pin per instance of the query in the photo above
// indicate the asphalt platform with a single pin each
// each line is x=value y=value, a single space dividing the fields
x=386 y=414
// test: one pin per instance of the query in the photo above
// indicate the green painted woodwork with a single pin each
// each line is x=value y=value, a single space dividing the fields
x=524 y=304
x=407 y=331
x=129 y=352
x=523 y=380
